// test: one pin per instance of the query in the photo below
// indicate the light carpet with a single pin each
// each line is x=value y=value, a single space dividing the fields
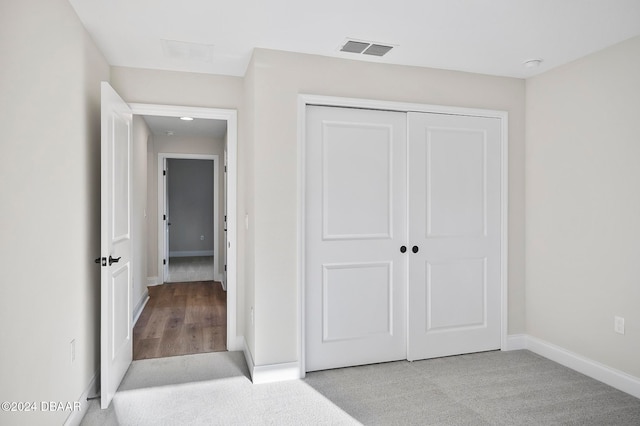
x=491 y=388
x=210 y=389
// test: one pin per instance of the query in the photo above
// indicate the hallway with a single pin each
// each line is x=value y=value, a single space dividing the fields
x=180 y=319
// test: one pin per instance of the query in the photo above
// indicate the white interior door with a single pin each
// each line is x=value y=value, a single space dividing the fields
x=454 y=220
x=355 y=219
x=116 y=350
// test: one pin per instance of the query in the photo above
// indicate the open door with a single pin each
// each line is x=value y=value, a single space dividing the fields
x=116 y=337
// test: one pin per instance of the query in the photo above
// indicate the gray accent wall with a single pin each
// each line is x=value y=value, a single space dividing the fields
x=190 y=193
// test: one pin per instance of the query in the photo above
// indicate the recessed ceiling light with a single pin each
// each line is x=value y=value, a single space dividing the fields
x=186 y=118
x=169 y=133
x=532 y=63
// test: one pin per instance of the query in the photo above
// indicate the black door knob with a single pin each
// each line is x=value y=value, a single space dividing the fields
x=403 y=249
x=114 y=260
x=415 y=249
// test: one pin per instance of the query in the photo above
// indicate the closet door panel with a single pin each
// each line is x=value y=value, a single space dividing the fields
x=454 y=221
x=355 y=223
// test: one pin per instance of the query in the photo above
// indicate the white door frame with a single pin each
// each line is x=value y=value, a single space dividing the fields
x=305 y=99
x=162 y=194
x=231 y=117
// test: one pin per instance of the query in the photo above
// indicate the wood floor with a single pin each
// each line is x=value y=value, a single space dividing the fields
x=182 y=319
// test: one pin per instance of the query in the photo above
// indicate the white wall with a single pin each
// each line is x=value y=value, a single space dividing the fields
x=141 y=135
x=50 y=216
x=247 y=183
x=152 y=214
x=583 y=206
x=276 y=80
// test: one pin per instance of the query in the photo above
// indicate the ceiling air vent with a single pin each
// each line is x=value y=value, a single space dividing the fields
x=186 y=50
x=365 y=48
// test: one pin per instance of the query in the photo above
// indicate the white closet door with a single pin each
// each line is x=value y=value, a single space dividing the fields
x=454 y=221
x=355 y=223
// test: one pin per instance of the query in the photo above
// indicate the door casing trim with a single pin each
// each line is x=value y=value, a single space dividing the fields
x=162 y=194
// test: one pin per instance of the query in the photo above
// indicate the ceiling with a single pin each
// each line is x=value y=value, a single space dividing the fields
x=482 y=36
x=199 y=127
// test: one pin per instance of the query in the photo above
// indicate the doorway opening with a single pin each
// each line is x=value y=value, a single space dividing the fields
x=192 y=238
x=191 y=255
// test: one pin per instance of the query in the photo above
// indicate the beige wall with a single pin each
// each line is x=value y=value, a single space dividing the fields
x=177 y=88
x=50 y=216
x=276 y=79
x=246 y=181
x=152 y=213
x=583 y=208
x=141 y=134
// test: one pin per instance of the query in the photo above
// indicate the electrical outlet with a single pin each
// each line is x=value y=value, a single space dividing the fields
x=201 y=237
x=618 y=325
x=73 y=350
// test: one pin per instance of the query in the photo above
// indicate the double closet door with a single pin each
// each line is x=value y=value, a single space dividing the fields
x=402 y=236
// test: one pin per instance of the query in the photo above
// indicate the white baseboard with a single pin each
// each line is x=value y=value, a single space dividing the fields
x=276 y=372
x=269 y=373
x=516 y=342
x=235 y=344
x=220 y=279
x=603 y=373
x=75 y=418
x=247 y=356
x=191 y=253
x=153 y=281
x=140 y=306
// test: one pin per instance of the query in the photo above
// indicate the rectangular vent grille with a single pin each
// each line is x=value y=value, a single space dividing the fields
x=365 y=48
x=377 y=50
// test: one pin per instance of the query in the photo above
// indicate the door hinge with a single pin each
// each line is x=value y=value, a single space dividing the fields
x=164 y=173
x=225 y=169
x=164 y=217
x=164 y=261
x=225 y=268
